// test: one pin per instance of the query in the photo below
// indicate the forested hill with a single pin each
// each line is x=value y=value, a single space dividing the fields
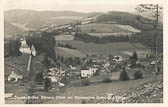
x=149 y=32
x=126 y=18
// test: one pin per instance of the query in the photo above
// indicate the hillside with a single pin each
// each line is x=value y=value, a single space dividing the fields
x=11 y=29
x=115 y=48
x=125 y=19
x=37 y=19
x=66 y=52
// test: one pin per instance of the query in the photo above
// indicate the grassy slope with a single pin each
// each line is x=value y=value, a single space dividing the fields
x=11 y=29
x=20 y=64
x=116 y=48
x=66 y=52
x=103 y=28
x=64 y=37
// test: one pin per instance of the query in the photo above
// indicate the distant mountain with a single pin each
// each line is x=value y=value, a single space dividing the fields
x=11 y=29
x=31 y=19
x=17 y=20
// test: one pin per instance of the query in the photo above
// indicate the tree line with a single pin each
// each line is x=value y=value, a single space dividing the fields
x=74 y=61
x=100 y=40
x=67 y=45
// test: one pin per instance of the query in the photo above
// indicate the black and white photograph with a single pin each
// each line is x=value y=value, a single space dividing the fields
x=83 y=52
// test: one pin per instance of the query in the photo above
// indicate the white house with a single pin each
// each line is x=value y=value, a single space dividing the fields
x=88 y=73
x=93 y=70
x=14 y=77
x=9 y=95
x=118 y=59
x=55 y=74
x=24 y=47
x=72 y=68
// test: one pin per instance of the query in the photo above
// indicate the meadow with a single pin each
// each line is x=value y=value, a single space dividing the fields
x=115 y=48
x=107 y=28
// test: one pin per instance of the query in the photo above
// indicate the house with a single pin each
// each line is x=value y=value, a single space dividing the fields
x=9 y=95
x=24 y=47
x=118 y=59
x=93 y=70
x=55 y=74
x=14 y=77
x=153 y=62
x=72 y=68
x=88 y=72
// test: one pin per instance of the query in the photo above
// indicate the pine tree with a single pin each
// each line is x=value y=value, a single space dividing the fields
x=123 y=75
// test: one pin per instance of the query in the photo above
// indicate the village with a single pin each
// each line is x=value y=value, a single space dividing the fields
x=94 y=65
x=64 y=64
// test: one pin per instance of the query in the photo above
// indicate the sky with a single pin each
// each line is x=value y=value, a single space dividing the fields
x=71 y=5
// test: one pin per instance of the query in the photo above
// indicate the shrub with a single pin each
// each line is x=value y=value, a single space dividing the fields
x=47 y=84
x=85 y=82
x=83 y=101
x=107 y=80
x=39 y=78
x=138 y=75
x=124 y=76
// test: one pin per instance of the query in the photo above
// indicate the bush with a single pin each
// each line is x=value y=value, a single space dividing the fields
x=124 y=76
x=138 y=75
x=107 y=80
x=85 y=82
x=47 y=84
x=39 y=78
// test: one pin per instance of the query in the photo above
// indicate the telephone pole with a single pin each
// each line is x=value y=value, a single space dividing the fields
x=156 y=38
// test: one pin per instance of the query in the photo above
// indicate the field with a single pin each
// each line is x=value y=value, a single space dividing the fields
x=110 y=34
x=115 y=48
x=64 y=37
x=66 y=52
x=115 y=29
x=129 y=28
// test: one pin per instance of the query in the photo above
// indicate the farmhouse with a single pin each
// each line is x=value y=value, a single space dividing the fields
x=14 y=77
x=88 y=72
x=55 y=74
x=118 y=59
